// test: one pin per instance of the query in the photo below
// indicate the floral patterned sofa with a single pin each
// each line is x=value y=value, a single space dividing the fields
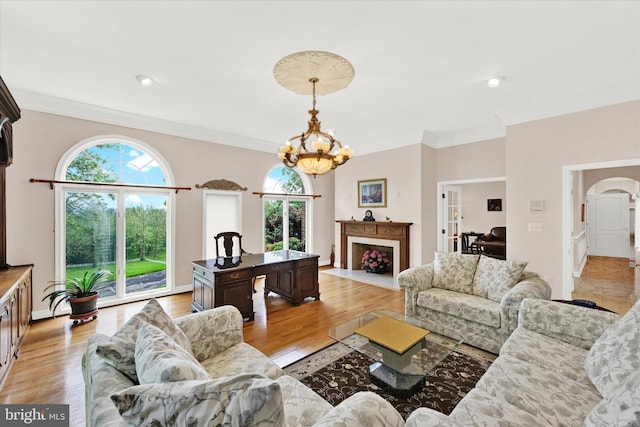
x=195 y=370
x=475 y=296
x=565 y=365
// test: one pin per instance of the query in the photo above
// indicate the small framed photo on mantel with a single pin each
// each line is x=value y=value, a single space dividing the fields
x=372 y=193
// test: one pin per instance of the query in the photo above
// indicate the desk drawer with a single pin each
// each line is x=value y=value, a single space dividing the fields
x=234 y=275
x=270 y=268
x=308 y=262
x=202 y=273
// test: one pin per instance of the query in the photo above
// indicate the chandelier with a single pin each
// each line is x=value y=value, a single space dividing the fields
x=314 y=152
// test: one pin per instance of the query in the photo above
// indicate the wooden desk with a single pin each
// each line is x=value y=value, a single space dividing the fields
x=229 y=281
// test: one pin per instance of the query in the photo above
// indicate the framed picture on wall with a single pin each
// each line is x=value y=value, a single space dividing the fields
x=372 y=193
x=494 y=205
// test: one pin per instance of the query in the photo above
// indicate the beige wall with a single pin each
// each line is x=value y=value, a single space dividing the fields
x=483 y=159
x=536 y=153
x=591 y=177
x=531 y=157
x=429 y=197
x=403 y=170
x=475 y=216
x=39 y=141
x=412 y=174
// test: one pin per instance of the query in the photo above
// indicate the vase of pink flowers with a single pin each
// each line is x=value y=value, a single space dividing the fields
x=375 y=261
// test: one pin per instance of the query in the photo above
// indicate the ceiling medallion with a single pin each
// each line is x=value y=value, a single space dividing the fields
x=314 y=73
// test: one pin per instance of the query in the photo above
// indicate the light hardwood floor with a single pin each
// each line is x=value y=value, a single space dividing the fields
x=48 y=369
x=612 y=283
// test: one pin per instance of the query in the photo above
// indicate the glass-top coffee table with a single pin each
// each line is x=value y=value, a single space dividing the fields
x=403 y=351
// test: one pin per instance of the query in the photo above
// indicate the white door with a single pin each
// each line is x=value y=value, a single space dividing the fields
x=451 y=218
x=608 y=225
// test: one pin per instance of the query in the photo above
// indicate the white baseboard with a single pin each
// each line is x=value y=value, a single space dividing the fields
x=45 y=314
x=578 y=273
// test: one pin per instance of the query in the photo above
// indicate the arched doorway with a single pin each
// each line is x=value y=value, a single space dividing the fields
x=609 y=281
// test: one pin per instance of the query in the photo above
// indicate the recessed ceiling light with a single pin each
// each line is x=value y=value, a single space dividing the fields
x=145 y=81
x=494 y=81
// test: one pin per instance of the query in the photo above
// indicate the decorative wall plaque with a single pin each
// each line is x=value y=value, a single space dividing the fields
x=221 y=184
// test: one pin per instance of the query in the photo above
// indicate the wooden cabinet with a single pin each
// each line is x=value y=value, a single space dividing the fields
x=9 y=113
x=15 y=314
x=213 y=289
x=5 y=339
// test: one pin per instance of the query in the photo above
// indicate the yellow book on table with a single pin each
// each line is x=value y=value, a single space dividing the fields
x=393 y=334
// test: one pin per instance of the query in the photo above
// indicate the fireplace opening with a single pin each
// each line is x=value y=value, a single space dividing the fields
x=358 y=250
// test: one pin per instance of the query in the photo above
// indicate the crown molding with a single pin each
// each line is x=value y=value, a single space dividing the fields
x=65 y=107
x=610 y=95
x=467 y=136
x=461 y=137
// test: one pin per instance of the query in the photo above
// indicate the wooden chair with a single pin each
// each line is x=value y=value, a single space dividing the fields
x=228 y=242
x=229 y=239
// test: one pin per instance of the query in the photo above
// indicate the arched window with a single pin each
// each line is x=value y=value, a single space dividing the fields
x=287 y=195
x=115 y=213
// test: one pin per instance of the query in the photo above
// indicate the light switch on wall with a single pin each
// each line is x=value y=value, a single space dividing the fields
x=535 y=226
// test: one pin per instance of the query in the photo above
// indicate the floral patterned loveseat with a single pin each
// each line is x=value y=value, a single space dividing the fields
x=565 y=365
x=475 y=296
x=195 y=370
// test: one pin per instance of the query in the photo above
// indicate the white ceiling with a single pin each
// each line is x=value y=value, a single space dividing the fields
x=420 y=66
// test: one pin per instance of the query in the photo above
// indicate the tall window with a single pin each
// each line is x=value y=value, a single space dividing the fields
x=287 y=217
x=117 y=225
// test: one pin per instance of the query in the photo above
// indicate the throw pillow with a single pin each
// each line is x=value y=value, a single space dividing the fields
x=454 y=271
x=119 y=350
x=495 y=277
x=611 y=410
x=243 y=400
x=615 y=355
x=160 y=359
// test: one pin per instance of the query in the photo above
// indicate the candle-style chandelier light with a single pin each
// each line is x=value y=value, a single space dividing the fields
x=314 y=152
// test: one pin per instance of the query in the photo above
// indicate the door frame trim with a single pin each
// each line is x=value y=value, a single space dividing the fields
x=440 y=188
x=567 y=215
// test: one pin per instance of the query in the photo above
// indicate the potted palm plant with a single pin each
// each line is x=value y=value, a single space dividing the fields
x=80 y=292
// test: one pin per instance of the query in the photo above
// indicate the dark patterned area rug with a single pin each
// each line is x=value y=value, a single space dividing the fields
x=337 y=372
